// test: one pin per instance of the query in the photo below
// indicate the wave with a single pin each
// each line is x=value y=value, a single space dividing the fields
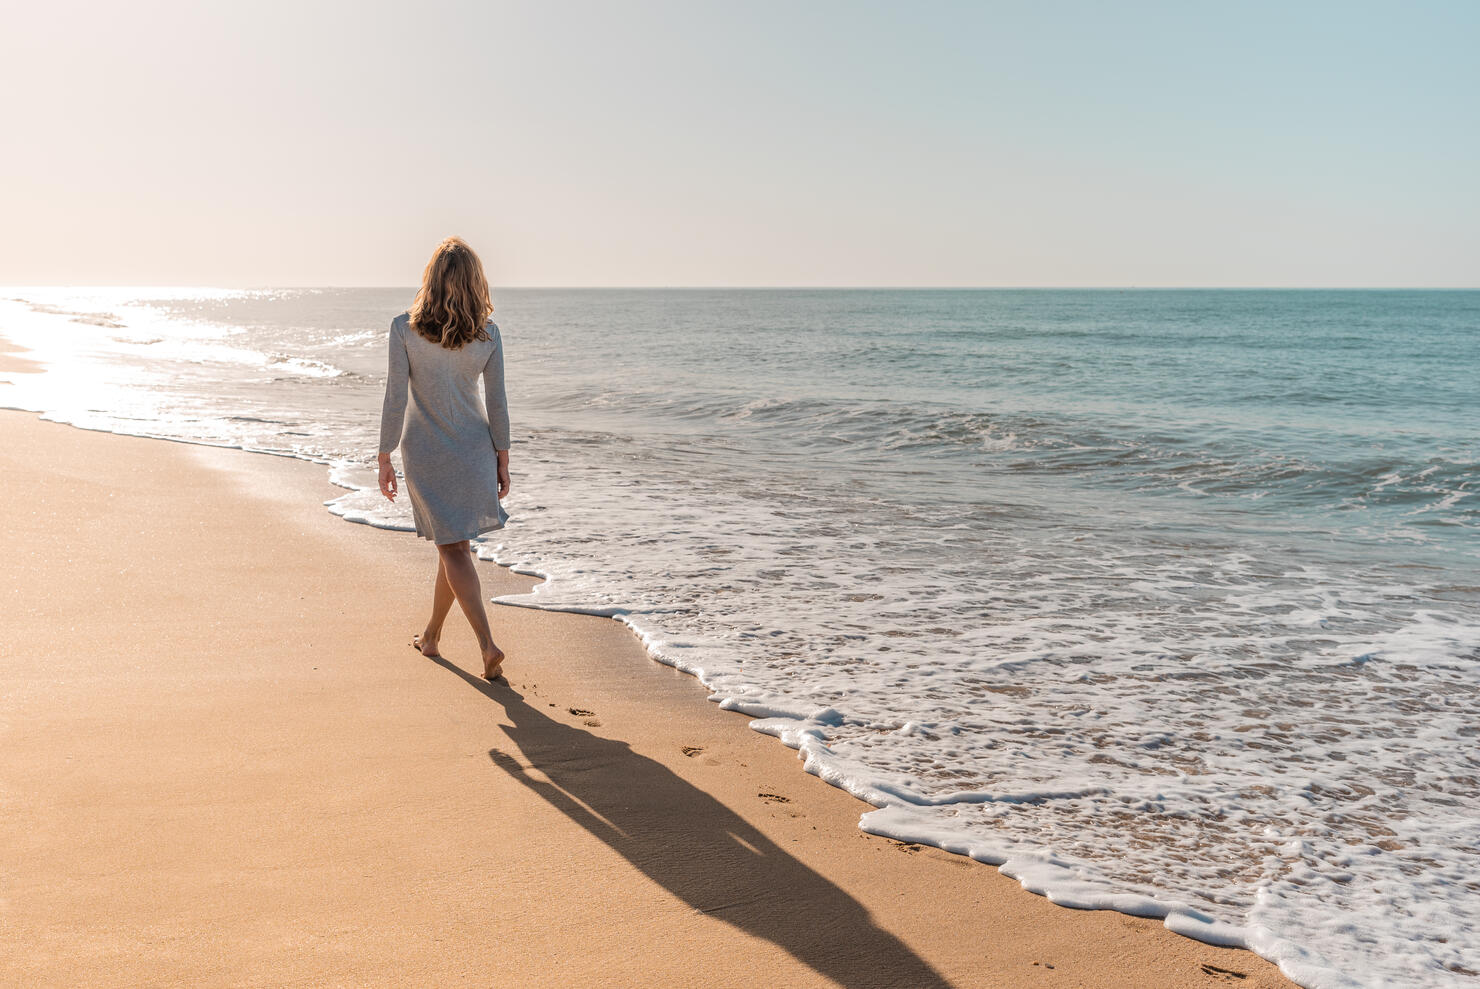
x=305 y=366
x=1214 y=461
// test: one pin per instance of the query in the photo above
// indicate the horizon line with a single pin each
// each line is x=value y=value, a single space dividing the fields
x=789 y=288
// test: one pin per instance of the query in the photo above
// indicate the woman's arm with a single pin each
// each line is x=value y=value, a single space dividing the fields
x=494 y=397
x=496 y=400
x=393 y=409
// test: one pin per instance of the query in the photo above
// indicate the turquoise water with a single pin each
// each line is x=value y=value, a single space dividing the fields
x=1344 y=415
x=1163 y=601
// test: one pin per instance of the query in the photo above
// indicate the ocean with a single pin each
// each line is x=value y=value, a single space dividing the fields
x=1161 y=601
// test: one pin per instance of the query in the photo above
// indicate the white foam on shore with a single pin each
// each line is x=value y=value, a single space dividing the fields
x=1135 y=760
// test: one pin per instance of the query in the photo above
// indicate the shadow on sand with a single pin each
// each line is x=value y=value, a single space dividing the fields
x=698 y=849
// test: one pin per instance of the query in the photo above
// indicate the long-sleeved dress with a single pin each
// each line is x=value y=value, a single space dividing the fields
x=449 y=442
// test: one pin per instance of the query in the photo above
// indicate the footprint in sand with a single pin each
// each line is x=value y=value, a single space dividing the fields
x=1223 y=974
x=692 y=750
x=774 y=798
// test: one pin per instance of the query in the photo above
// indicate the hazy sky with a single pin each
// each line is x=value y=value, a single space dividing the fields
x=725 y=143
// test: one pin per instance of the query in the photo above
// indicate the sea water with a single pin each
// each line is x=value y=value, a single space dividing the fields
x=1162 y=601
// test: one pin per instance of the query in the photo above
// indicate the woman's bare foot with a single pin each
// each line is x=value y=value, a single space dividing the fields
x=426 y=645
x=493 y=663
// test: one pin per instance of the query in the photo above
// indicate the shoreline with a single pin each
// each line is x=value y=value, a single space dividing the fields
x=733 y=834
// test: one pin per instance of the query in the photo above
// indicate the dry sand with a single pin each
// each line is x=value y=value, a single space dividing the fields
x=221 y=763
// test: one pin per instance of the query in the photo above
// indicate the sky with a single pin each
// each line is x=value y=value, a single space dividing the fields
x=700 y=143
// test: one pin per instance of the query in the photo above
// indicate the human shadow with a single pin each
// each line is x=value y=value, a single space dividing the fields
x=698 y=849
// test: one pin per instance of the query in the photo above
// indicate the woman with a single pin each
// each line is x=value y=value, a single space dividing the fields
x=455 y=455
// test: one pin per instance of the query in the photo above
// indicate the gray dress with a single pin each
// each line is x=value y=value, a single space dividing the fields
x=447 y=450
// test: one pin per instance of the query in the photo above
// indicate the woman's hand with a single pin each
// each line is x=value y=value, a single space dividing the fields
x=503 y=473
x=387 y=477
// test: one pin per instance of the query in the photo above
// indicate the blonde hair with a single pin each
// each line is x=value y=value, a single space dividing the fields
x=452 y=304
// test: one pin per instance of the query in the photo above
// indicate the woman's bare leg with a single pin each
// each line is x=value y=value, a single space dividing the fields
x=462 y=576
x=442 y=598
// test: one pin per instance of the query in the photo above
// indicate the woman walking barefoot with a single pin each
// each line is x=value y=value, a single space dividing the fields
x=455 y=455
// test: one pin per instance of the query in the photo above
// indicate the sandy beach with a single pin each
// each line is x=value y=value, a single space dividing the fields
x=223 y=765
